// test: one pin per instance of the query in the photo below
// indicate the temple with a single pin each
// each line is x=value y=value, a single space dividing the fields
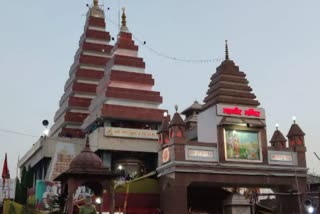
x=214 y=160
x=220 y=163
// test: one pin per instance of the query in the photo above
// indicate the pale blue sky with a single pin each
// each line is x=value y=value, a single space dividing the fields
x=276 y=43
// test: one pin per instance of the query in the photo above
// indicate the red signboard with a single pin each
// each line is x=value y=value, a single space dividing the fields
x=234 y=110
x=252 y=112
x=240 y=111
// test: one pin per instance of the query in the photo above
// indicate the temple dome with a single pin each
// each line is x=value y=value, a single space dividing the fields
x=86 y=159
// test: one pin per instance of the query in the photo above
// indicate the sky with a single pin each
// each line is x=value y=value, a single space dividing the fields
x=276 y=43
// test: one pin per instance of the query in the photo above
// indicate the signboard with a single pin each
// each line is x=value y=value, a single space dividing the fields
x=8 y=190
x=242 y=145
x=282 y=158
x=131 y=133
x=201 y=153
x=47 y=193
x=240 y=111
x=61 y=160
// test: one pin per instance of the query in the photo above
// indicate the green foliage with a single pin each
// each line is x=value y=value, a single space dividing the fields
x=12 y=210
x=23 y=185
x=29 y=177
x=18 y=194
x=23 y=176
x=31 y=201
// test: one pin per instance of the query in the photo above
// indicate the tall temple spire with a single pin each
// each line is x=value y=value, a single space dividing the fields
x=229 y=86
x=86 y=71
x=227 y=51
x=124 y=27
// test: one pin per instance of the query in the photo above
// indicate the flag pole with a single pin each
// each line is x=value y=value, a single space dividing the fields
x=8 y=189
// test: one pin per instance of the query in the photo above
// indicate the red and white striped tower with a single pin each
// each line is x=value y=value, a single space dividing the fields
x=125 y=92
x=86 y=71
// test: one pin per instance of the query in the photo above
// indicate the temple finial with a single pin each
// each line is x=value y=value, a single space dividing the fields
x=95 y=3
x=87 y=142
x=124 y=27
x=176 y=108
x=124 y=18
x=227 y=50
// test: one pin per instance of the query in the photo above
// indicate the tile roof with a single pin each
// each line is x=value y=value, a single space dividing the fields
x=295 y=130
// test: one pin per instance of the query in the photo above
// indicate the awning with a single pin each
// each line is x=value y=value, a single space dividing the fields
x=143 y=184
x=140 y=193
x=242 y=121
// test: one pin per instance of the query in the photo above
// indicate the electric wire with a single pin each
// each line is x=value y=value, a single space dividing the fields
x=163 y=55
x=17 y=133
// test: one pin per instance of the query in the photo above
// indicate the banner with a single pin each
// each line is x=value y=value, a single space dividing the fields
x=47 y=193
x=131 y=133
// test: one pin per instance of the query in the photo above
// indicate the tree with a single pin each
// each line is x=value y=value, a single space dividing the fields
x=18 y=194
x=23 y=176
x=22 y=187
x=29 y=178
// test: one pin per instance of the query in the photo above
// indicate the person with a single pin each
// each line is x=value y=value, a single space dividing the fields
x=88 y=207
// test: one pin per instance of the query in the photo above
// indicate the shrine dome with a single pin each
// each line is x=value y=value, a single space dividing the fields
x=87 y=159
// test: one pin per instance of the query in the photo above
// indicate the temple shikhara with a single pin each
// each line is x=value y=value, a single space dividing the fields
x=112 y=142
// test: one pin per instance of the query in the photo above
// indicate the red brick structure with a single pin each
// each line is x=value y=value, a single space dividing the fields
x=125 y=91
x=84 y=75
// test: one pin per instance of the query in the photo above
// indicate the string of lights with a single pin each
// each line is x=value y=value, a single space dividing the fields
x=166 y=56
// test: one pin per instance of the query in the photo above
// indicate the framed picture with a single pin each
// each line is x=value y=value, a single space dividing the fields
x=242 y=145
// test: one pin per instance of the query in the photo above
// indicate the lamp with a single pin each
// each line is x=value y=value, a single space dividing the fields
x=98 y=200
x=45 y=123
x=309 y=206
x=165 y=114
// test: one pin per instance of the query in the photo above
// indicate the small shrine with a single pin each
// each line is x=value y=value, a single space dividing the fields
x=86 y=169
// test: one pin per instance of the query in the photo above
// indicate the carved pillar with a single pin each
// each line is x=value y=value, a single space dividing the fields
x=72 y=186
x=70 y=203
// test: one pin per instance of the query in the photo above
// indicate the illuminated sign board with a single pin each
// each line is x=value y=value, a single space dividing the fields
x=201 y=153
x=282 y=158
x=240 y=111
x=131 y=133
